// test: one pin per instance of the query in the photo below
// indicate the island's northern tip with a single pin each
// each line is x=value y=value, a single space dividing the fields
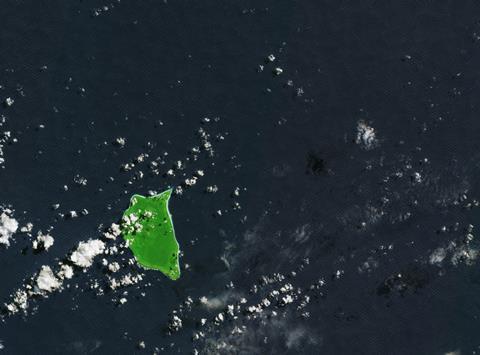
x=147 y=227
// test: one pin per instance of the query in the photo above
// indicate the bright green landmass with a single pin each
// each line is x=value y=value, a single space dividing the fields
x=148 y=229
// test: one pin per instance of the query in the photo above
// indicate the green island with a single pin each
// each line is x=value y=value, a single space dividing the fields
x=147 y=227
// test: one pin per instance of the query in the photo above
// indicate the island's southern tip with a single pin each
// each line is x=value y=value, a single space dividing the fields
x=147 y=227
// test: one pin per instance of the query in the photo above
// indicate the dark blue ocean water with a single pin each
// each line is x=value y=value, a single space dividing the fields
x=409 y=69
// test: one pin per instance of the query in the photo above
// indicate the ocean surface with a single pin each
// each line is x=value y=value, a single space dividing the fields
x=350 y=176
